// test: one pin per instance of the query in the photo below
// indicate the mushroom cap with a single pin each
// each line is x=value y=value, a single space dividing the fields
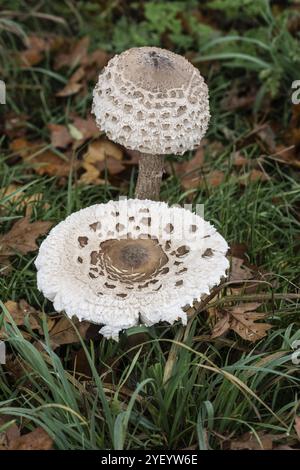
x=152 y=100
x=129 y=262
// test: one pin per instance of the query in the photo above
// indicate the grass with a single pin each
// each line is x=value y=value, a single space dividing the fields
x=176 y=387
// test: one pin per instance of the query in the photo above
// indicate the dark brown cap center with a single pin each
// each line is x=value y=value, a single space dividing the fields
x=134 y=255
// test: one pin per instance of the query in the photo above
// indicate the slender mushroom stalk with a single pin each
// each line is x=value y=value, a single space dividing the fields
x=151 y=168
x=155 y=102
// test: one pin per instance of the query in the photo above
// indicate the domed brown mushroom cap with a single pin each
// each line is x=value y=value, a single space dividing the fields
x=152 y=100
x=130 y=261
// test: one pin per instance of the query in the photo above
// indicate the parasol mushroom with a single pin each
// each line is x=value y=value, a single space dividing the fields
x=155 y=102
x=130 y=262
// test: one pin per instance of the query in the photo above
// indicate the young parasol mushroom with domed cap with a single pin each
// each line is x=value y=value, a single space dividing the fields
x=155 y=102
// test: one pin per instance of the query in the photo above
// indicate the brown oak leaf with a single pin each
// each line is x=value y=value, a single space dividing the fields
x=250 y=441
x=241 y=319
x=239 y=271
x=297 y=426
x=60 y=135
x=21 y=238
x=20 y=311
x=34 y=440
x=11 y=438
x=63 y=331
x=101 y=154
x=43 y=161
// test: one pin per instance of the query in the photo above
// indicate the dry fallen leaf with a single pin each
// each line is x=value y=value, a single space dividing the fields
x=37 y=46
x=101 y=154
x=288 y=152
x=91 y=175
x=283 y=447
x=241 y=319
x=238 y=250
x=14 y=124
x=34 y=440
x=77 y=56
x=60 y=135
x=250 y=442
x=64 y=333
x=133 y=157
x=94 y=62
x=214 y=178
x=21 y=238
x=76 y=132
x=73 y=85
x=5 y=265
x=31 y=57
x=22 y=147
x=243 y=322
x=194 y=180
x=44 y=162
x=288 y=155
x=86 y=127
x=222 y=326
x=191 y=165
x=71 y=88
x=239 y=160
x=20 y=311
x=77 y=53
x=11 y=438
x=297 y=426
x=189 y=171
x=20 y=200
x=10 y=434
x=293 y=133
x=34 y=53
x=80 y=363
x=239 y=271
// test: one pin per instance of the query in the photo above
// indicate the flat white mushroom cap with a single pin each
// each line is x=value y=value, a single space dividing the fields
x=129 y=262
x=152 y=100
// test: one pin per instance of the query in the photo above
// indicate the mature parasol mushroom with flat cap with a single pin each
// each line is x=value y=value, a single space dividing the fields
x=130 y=262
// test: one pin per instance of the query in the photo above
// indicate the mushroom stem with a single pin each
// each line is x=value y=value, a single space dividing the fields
x=151 y=168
